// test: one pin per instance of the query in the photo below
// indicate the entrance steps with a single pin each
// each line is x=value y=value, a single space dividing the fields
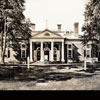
x=40 y=63
x=47 y=63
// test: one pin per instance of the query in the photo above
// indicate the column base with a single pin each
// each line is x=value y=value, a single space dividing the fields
x=62 y=60
x=31 y=60
x=42 y=60
x=52 y=60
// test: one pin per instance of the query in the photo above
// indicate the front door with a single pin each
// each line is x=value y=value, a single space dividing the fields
x=46 y=55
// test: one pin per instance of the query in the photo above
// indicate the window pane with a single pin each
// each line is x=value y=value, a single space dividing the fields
x=23 y=53
x=88 y=53
x=69 y=46
x=69 y=53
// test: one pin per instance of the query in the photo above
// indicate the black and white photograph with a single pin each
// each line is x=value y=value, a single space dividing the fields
x=49 y=45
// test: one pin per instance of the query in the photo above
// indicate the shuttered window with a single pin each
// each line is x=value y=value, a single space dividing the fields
x=69 y=53
x=87 y=53
x=23 y=51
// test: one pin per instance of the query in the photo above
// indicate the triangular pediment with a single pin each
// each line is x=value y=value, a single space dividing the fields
x=47 y=34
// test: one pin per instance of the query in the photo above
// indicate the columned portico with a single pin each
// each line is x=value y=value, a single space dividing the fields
x=50 y=47
x=51 y=51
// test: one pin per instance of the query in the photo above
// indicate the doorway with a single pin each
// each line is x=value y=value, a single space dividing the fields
x=46 y=55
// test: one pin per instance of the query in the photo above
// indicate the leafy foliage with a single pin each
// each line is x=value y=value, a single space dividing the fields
x=11 y=13
x=91 y=28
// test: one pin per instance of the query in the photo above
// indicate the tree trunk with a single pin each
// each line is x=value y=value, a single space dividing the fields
x=2 y=48
x=3 y=42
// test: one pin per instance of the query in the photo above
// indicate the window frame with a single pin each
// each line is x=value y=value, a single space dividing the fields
x=23 y=49
x=22 y=53
x=71 y=54
x=87 y=51
x=70 y=48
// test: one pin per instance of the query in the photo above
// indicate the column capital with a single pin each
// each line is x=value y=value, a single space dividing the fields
x=52 y=42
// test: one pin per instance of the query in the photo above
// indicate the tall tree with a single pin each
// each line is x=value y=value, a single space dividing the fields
x=91 y=27
x=12 y=23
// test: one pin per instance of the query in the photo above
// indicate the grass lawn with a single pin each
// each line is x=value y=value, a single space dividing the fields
x=49 y=78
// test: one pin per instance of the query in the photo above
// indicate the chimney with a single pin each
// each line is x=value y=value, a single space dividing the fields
x=33 y=27
x=59 y=27
x=76 y=28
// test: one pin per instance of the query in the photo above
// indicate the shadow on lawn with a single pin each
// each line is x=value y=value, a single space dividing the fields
x=93 y=68
x=39 y=74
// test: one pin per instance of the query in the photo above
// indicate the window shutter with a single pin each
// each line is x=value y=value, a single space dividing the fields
x=20 y=53
x=73 y=54
x=84 y=53
x=91 y=53
x=8 y=53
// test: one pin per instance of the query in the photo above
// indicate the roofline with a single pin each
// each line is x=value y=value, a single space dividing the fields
x=46 y=38
x=46 y=30
x=73 y=39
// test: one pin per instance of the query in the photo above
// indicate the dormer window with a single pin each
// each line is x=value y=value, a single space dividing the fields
x=47 y=34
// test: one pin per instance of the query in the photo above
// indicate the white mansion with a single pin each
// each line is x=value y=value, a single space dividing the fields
x=54 y=46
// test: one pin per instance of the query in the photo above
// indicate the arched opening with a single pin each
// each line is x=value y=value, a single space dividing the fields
x=47 y=34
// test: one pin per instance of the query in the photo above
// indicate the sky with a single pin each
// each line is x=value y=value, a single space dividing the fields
x=49 y=13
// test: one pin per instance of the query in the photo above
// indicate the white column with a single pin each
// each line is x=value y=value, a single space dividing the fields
x=62 y=51
x=52 y=51
x=31 y=59
x=42 y=58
